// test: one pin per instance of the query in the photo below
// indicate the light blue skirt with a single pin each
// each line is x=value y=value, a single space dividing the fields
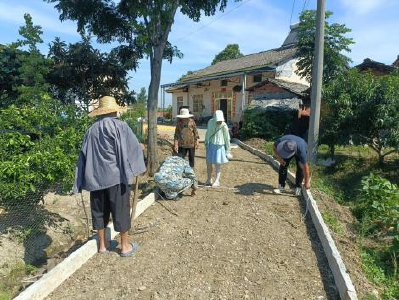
x=216 y=154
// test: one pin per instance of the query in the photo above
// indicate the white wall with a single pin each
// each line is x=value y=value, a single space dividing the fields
x=287 y=70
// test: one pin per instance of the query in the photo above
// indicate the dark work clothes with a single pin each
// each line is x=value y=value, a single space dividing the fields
x=300 y=158
x=300 y=127
x=110 y=154
x=282 y=172
x=115 y=200
x=191 y=154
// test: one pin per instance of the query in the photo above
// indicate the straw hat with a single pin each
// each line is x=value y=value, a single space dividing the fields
x=107 y=105
x=184 y=113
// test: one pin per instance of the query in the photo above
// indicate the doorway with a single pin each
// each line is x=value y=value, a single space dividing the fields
x=223 y=107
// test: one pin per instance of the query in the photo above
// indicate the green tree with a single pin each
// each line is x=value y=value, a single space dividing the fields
x=31 y=33
x=142 y=28
x=231 y=51
x=81 y=73
x=183 y=76
x=335 y=43
x=142 y=96
x=9 y=74
x=365 y=107
x=23 y=72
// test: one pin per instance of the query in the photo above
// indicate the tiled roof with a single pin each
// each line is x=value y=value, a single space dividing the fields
x=369 y=64
x=248 y=62
x=296 y=88
x=292 y=38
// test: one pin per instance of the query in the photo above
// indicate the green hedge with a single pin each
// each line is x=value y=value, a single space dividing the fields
x=39 y=147
x=266 y=123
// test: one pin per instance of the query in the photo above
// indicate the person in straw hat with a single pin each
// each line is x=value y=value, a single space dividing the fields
x=217 y=142
x=186 y=136
x=109 y=159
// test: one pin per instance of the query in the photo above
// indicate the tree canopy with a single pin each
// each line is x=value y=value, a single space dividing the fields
x=80 y=73
x=335 y=43
x=365 y=108
x=231 y=51
x=40 y=137
x=142 y=28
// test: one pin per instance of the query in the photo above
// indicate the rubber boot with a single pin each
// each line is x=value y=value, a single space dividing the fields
x=209 y=174
x=218 y=173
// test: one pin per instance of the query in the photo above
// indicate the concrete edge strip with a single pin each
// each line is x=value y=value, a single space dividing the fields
x=341 y=277
x=51 y=280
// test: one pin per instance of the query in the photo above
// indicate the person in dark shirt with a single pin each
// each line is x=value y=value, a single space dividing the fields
x=286 y=148
x=300 y=126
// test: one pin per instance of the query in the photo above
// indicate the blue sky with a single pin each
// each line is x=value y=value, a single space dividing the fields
x=256 y=25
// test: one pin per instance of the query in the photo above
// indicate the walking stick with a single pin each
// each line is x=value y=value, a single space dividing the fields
x=134 y=202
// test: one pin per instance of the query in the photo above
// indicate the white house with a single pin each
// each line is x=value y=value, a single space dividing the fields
x=226 y=84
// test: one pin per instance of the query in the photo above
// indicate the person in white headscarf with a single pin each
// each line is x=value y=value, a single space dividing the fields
x=217 y=143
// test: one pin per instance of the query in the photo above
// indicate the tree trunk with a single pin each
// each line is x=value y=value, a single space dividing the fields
x=156 y=66
x=331 y=150
x=380 y=158
x=160 y=36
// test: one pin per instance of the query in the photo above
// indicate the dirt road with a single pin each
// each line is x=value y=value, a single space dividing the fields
x=238 y=243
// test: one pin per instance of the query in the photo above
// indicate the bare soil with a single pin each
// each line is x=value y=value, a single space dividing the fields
x=347 y=243
x=59 y=226
x=239 y=241
x=346 y=239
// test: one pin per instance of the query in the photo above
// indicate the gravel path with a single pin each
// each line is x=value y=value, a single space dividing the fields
x=239 y=242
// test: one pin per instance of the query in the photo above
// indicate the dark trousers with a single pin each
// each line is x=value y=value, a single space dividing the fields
x=115 y=200
x=191 y=154
x=282 y=172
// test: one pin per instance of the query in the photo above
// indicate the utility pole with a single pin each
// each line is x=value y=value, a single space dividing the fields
x=317 y=80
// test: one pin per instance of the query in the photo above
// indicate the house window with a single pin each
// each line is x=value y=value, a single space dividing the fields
x=223 y=82
x=179 y=103
x=197 y=103
x=258 y=78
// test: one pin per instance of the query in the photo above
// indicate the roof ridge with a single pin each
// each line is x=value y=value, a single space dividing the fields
x=273 y=49
x=262 y=58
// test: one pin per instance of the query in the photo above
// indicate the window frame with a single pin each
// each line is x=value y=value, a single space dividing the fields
x=180 y=99
x=198 y=101
x=258 y=76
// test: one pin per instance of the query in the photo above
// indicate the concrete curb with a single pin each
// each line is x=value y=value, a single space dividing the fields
x=341 y=277
x=51 y=280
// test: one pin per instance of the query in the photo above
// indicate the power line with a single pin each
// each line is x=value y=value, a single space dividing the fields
x=305 y=4
x=202 y=27
x=292 y=11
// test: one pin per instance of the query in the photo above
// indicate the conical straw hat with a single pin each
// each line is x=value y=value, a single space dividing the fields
x=107 y=105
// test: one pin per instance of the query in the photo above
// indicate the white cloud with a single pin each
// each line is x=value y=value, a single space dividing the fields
x=12 y=13
x=365 y=6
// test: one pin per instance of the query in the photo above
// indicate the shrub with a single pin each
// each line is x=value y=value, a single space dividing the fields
x=266 y=123
x=379 y=204
x=39 y=147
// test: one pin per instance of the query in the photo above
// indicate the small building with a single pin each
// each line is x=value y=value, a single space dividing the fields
x=225 y=85
x=277 y=93
x=375 y=67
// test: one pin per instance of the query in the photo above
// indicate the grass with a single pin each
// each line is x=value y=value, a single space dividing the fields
x=332 y=222
x=376 y=266
x=11 y=283
x=342 y=181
